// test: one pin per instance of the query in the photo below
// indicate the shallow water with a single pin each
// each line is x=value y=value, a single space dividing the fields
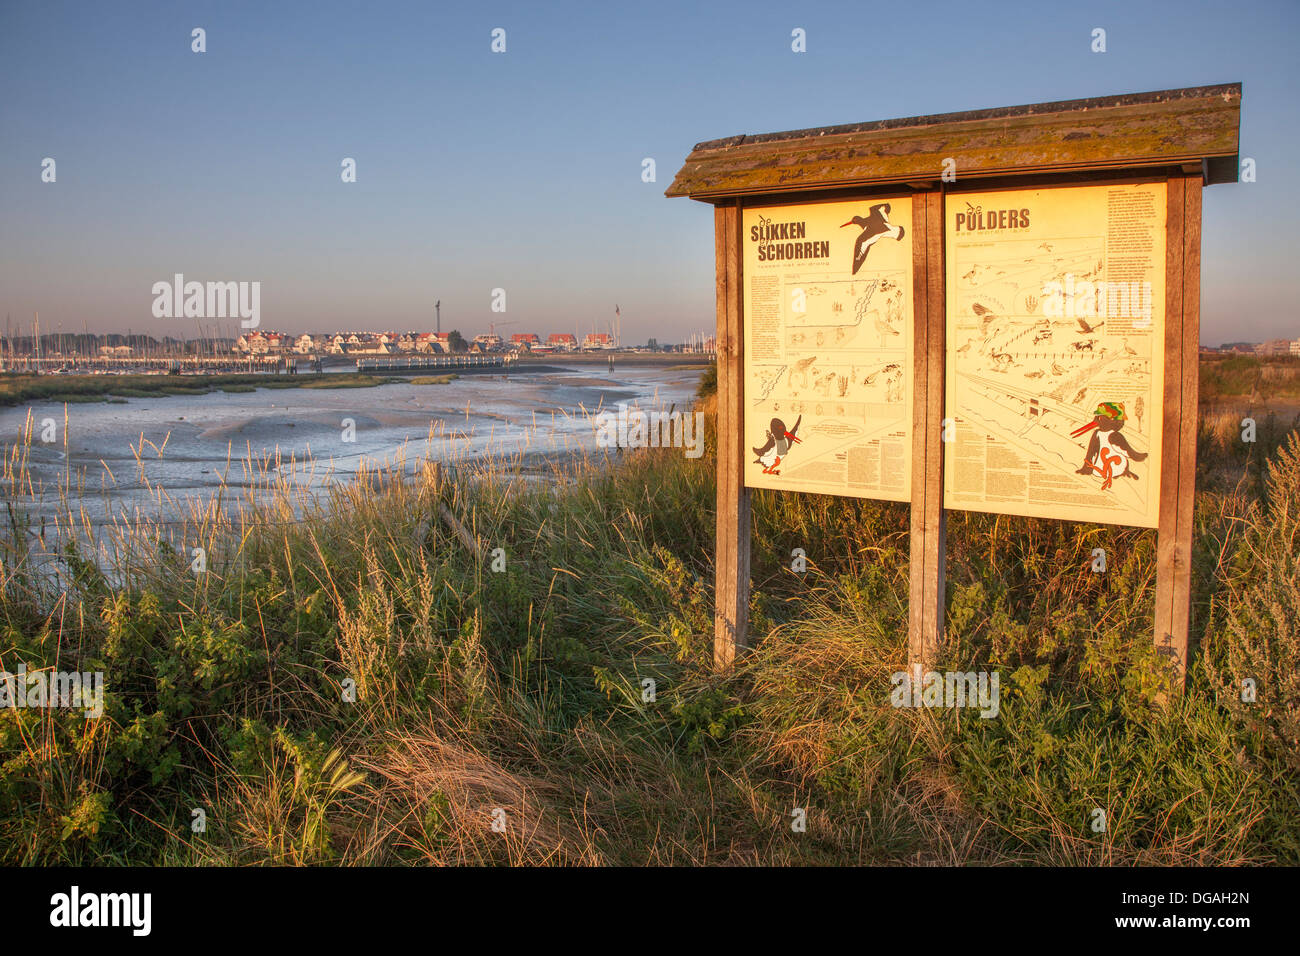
x=151 y=456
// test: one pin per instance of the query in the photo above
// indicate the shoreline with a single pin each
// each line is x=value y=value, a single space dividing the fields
x=19 y=387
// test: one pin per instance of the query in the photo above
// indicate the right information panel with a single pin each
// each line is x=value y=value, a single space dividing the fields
x=1055 y=360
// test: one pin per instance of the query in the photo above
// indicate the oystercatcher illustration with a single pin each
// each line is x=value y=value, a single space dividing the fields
x=1109 y=452
x=778 y=444
x=874 y=225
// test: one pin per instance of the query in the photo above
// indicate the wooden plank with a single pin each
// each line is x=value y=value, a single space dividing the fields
x=1165 y=633
x=1169 y=127
x=1191 y=282
x=928 y=525
x=936 y=517
x=731 y=589
x=916 y=628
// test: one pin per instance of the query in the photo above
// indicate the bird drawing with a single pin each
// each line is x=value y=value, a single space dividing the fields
x=1089 y=329
x=883 y=327
x=1109 y=452
x=778 y=444
x=800 y=371
x=874 y=225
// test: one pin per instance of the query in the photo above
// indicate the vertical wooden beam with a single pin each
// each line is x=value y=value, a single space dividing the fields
x=928 y=524
x=1182 y=603
x=731 y=589
x=1178 y=442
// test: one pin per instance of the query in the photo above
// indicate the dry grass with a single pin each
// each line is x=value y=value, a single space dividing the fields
x=522 y=692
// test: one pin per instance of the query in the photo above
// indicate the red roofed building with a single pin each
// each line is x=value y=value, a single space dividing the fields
x=562 y=340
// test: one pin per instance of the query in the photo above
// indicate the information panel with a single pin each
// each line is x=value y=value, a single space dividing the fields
x=1055 y=347
x=828 y=347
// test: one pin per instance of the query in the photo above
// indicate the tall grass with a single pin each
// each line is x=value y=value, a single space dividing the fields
x=348 y=682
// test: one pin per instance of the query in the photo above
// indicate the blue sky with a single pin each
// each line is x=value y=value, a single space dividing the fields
x=523 y=170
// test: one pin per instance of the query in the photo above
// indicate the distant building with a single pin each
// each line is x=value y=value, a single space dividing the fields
x=115 y=351
x=562 y=341
x=524 y=340
x=262 y=343
x=1274 y=347
x=597 y=340
x=487 y=342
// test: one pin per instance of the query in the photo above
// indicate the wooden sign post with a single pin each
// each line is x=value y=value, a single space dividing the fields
x=944 y=345
x=731 y=616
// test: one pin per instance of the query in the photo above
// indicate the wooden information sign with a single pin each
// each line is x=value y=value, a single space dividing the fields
x=995 y=311
x=828 y=347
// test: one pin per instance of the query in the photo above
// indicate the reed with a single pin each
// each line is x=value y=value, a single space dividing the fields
x=350 y=682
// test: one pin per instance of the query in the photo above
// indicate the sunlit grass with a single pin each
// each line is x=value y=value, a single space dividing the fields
x=350 y=681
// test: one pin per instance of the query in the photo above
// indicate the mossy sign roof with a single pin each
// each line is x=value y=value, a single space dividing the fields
x=1160 y=129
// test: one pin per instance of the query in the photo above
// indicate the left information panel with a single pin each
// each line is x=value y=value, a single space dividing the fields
x=828 y=347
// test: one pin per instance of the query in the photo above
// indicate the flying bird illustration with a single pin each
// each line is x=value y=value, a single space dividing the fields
x=874 y=225
x=987 y=317
x=779 y=442
x=1089 y=329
